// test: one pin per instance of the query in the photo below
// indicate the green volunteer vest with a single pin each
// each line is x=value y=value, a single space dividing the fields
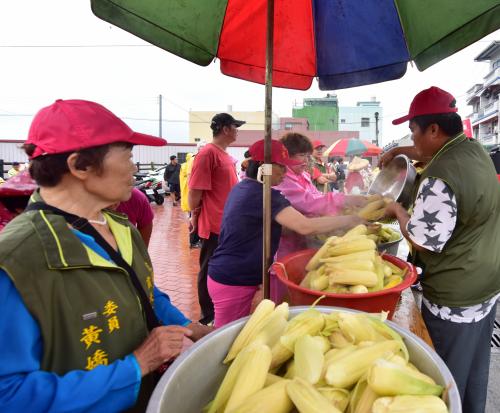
x=467 y=271
x=86 y=307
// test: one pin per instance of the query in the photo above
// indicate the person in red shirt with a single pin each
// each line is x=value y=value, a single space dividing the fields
x=212 y=178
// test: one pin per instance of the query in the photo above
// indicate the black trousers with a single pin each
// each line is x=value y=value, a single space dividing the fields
x=465 y=348
x=208 y=247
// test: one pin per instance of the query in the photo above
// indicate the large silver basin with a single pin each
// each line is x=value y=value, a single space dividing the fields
x=193 y=379
x=396 y=180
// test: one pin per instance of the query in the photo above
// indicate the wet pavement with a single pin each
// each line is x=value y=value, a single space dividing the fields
x=175 y=264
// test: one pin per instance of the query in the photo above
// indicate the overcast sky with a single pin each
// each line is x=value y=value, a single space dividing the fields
x=35 y=70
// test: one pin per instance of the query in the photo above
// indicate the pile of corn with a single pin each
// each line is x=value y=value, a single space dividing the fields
x=351 y=264
x=328 y=363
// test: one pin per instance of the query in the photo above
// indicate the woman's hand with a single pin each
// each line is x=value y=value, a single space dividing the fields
x=199 y=330
x=162 y=345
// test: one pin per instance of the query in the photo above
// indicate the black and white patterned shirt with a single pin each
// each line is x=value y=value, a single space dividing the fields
x=431 y=226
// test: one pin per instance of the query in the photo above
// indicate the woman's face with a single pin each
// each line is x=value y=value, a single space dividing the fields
x=304 y=159
x=278 y=175
x=115 y=181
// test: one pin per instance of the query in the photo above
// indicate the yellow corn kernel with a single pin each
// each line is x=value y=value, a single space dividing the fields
x=379 y=271
x=250 y=329
x=271 y=379
x=391 y=379
x=409 y=404
x=307 y=399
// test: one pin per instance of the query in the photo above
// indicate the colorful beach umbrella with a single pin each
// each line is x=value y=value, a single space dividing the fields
x=351 y=147
x=343 y=43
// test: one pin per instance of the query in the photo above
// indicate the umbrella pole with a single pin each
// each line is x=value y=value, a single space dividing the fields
x=266 y=245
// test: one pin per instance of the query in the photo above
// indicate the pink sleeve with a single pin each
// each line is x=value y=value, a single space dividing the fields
x=308 y=200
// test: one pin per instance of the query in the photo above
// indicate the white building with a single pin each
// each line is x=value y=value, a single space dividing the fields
x=483 y=97
x=365 y=117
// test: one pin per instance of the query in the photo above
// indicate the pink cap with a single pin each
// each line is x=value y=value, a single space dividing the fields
x=429 y=102
x=72 y=125
x=279 y=154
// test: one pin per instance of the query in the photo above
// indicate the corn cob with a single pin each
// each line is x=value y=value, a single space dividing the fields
x=331 y=323
x=353 y=277
x=315 y=260
x=319 y=283
x=280 y=354
x=391 y=379
x=362 y=397
x=323 y=343
x=290 y=370
x=309 y=322
x=226 y=387
x=309 y=358
x=379 y=271
x=250 y=329
x=358 y=289
x=338 y=397
x=392 y=281
x=306 y=280
x=346 y=238
x=252 y=375
x=357 y=328
x=374 y=215
x=370 y=207
x=271 y=379
x=347 y=370
x=394 y=268
x=357 y=230
x=350 y=247
x=385 y=331
x=409 y=404
x=361 y=255
x=272 y=399
x=307 y=399
x=365 y=265
x=272 y=330
x=339 y=340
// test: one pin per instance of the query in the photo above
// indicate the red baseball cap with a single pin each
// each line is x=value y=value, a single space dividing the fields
x=317 y=144
x=279 y=154
x=72 y=125
x=429 y=102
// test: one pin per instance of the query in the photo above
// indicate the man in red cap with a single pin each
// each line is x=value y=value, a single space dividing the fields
x=321 y=173
x=454 y=233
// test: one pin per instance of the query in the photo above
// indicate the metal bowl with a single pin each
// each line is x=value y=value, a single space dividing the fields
x=396 y=180
x=193 y=379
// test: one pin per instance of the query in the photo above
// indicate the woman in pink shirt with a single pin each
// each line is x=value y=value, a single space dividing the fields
x=304 y=197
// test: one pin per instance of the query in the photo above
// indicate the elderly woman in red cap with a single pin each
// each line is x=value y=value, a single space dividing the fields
x=85 y=327
x=321 y=174
x=234 y=271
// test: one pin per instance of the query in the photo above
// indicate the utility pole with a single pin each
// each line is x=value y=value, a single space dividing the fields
x=160 y=115
x=376 y=128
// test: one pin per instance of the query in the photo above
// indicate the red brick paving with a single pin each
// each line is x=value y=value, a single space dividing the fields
x=175 y=264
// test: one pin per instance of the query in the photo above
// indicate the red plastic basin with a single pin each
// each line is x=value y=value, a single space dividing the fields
x=290 y=271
